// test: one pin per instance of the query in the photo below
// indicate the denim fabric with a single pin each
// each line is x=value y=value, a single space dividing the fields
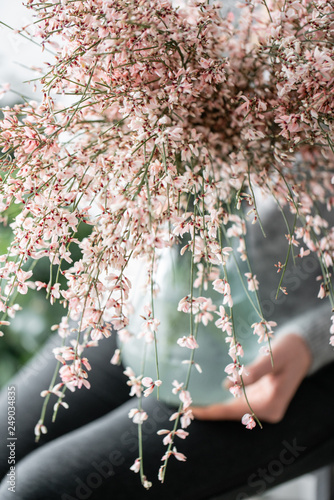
x=87 y=452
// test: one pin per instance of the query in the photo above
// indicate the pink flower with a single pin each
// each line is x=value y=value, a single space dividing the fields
x=136 y=465
x=148 y=382
x=138 y=416
x=322 y=292
x=221 y=286
x=149 y=327
x=22 y=276
x=55 y=391
x=224 y=321
x=253 y=283
x=236 y=390
x=40 y=285
x=177 y=455
x=177 y=387
x=55 y=293
x=189 y=342
x=147 y=484
x=115 y=360
x=161 y=473
x=235 y=350
x=181 y=433
x=186 y=418
x=204 y=315
x=263 y=329
x=169 y=438
x=234 y=370
x=248 y=421
x=303 y=252
x=185 y=398
x=40 y=428
x=134 y=382
x=187 y=305
x=292 y=240
x=60 y=403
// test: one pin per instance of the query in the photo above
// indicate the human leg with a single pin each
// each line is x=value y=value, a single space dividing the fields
x=108 y=390
x=223 y=457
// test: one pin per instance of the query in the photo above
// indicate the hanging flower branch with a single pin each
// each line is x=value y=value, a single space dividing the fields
x=176 y=116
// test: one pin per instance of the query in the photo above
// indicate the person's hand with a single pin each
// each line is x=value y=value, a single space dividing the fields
x=269 y=389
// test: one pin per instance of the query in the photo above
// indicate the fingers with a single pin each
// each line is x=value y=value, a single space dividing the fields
x=266 y=399
x=270 y=389
x=232 y=410
x=253 y=372
x=260 y=367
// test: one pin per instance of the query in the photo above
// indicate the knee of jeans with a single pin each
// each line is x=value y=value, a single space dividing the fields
x=25 y=481
x=4 y=468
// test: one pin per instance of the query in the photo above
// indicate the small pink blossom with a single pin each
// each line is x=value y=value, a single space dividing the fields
x=322 y=292
x=221 y=286
x=138 y=416
x=116 y=359
x=147 y=484
x=248 y=421
x=169 y=437
x=189 y=342
x=135 y=467
x=236 y=390
x=235 y=350
x=40 y=429
x=177 y=386
x=134 y=382
x=148 y=382
x=150 y=326
x=22 y=276
x=177 y=455
x=263 y=329
x=55 y=292
x=224 y=322
x=185 y=398
x=303 y=252
x=292 y=240
x=234 y=370
x=40 y=285
x=60 y=403
x=204 y=315
x=186 y=416
x=253 y=283
x=188 y=305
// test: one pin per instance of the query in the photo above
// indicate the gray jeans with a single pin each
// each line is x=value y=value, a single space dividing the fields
x=87 y=452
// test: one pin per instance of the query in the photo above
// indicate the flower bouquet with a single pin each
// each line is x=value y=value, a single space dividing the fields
x=179 y=121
